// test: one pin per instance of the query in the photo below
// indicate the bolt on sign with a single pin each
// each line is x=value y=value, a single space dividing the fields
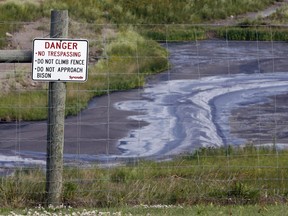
x=64 y=60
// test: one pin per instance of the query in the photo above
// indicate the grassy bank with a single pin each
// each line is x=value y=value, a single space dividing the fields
x=130 y=12
x=157 y=11
x=127 y=60
x=253 y=33
x=125 y=64
x=241 y=32
x=12 y=14
x=220 y=176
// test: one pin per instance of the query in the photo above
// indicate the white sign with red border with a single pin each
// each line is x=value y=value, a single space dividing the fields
x=64 y=60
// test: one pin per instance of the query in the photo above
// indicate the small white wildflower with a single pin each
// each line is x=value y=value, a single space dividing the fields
x=104 y=214
x=46 y=213
x=93 y=212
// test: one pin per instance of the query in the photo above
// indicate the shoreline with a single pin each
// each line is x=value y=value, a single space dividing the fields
x=98 y=130
x=94 y=131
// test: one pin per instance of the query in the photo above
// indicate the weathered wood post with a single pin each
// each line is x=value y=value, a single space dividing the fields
x=56 y=116
x=56 y=98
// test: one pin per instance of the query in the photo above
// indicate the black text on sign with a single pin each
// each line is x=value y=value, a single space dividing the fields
x=60 y=60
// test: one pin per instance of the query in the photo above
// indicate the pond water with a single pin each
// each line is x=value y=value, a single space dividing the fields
x=215 y=93
x=206 y=98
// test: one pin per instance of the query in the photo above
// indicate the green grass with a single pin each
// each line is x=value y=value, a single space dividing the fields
x=156 y=11
x=253 y=33
x=30 y=105
x=11 y=14
x=131 y=12
x=241 y=32
x=180 y=12
x=280 y=17
x=218 y=176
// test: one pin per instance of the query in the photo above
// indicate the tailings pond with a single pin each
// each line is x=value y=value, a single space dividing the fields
x=214 y=93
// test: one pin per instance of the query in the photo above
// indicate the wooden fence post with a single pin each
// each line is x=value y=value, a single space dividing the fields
x=56 y=116
x=56 y=111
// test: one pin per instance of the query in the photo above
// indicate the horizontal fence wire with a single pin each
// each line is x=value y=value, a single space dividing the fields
x=170 y=114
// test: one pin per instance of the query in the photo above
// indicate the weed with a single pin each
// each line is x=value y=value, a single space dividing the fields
x=245 y=177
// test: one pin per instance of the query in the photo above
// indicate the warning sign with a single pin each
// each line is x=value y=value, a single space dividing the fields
x=63 y=60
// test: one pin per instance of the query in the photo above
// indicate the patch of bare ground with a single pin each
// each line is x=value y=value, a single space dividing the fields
x=17 y=76
x=23 y=1
x=233 y=20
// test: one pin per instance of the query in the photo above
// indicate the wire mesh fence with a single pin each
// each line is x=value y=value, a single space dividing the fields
x=211 y=127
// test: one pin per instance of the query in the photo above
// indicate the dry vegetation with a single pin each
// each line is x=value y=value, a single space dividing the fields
x=220 y=176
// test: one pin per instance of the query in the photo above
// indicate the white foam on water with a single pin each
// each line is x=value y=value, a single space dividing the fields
x=11 y=161
x=185 y=114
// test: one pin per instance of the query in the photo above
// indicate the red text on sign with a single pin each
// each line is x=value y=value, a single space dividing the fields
x=60 y=45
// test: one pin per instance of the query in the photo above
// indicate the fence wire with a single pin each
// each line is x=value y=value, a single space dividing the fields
x=211 y=127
